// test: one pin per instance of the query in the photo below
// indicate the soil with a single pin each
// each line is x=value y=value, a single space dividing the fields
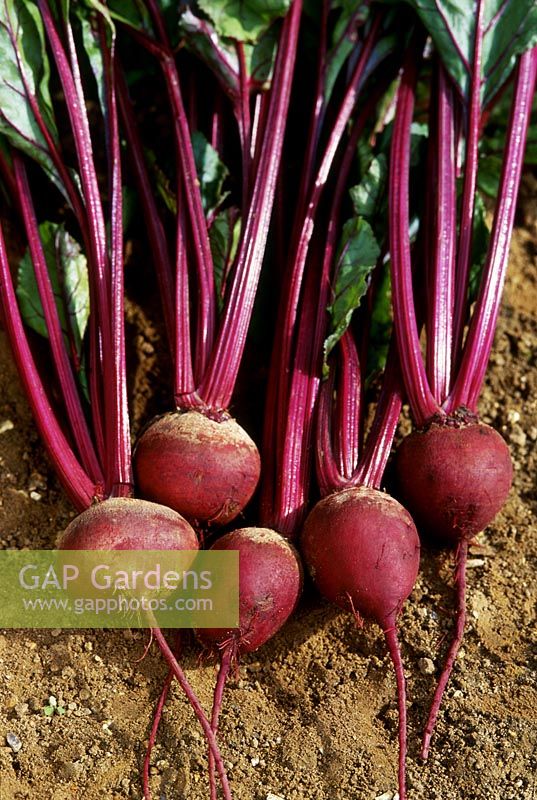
x=312 y=715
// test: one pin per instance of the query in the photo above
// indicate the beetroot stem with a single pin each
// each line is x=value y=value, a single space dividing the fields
x=201 y=248
x=421 y=400
x=60 y=357
x=77 y=484
x=460 y=583
x=242 y=113
x=395 y=653
x=441 y=283
x=469 y=187
x=380 y=439
x=226 y=658
x=155 y=229
x=483 y=324
x=121 y=478
x=196 y=707
x=219 y=382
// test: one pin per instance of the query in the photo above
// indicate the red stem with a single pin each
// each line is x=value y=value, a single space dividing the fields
x=242 y=114
x=483 y=324
x=60 y=357
x=348 y=407
x=282 y=350
x=184 y=387
x=120 y=469
x=196 y=707
x=395 y=653
x=380 y=438
x=460 y=584
x=153 y=734
x=469 y=188
x=206 y=306
x=421 y=400
x=226 y=658
x=441 y=275
x=155 y=229
x=219 y=382
x=100 y=344
x=76 y=482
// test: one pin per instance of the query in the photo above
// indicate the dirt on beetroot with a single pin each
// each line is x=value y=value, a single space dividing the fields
x=312 y=715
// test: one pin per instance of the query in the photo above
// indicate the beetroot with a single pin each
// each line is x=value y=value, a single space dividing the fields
x=453 y=478
x=204 y=469
x=362 y=550
x=128 y=524
x=270 y=582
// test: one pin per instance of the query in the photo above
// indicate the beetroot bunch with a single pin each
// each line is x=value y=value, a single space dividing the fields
x=311 y=218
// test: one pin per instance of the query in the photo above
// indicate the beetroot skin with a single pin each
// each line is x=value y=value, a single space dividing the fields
x=205 y=470
x=270 y=582
x=362 y=550
x=453 y=480
x=128 y=524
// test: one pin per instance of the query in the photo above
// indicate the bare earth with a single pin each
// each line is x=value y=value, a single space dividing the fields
x=312 y=715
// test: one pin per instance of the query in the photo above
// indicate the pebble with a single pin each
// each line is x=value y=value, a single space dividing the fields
x=426 y=667
x=388 y=796
x=14 y=742
x=271 y=796
x=474 y=562
x=21 y=709
x=6 y=425
x=255 y=761
x=35 y=496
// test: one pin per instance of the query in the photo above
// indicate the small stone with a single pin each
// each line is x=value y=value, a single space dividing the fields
x=513 y=416
x=14 y=742
x=55 y=632
x=21 y=709
x=426 y=666
x=472 y=563
x=254 y=761
x=35 y=496
x=6 y=426
x=271 y=796
x=255 y=742
x=52 y=701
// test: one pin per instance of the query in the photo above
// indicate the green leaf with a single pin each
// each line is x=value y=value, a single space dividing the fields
x=25 y=72
x=510 y=28
x=224 y=236
x=220 y=53
x=212 y=172
x=380 y=329
x=131 y=12
x=69 y=279
x=358 y=253
x=243 y=20
x=480 y=243
x=48 y=711
x=369 y=194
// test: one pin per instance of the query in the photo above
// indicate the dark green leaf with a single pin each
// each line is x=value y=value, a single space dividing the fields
x=212 y=172
x=25 y=72
x=224 y=239
x=380 y=329
x=488 y=177
x=243 y=20
x=357 y=256
x=69 y=279
x=480 y=243
x=131 y=12
x=510 y=28
x=368 y=195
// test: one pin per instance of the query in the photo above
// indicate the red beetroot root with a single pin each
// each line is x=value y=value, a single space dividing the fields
x=270 y=582
x=363 y=550
x=128 y=524
x=204 y=469
x=453 y=479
